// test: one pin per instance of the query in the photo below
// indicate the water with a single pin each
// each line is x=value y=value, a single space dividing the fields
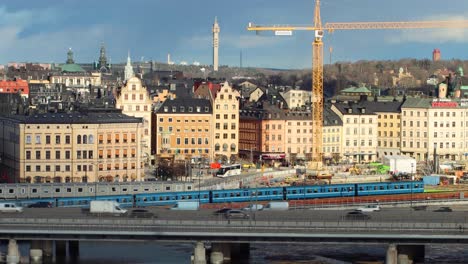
x=320 y=253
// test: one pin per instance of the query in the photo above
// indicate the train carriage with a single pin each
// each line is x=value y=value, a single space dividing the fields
x=169 y=198
x=243 y=195
x=320 y=191
x=386 y=188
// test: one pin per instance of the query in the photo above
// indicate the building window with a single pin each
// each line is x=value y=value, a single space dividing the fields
x=28 y=155
x=47 y=139
x=57 y=139
x=38 y=139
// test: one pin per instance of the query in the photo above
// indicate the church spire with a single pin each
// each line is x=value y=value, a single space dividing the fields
x=102 y=57
x=128 y=68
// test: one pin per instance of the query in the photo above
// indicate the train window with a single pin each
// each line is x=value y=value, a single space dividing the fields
x=381 y=188
x=69 y=190
x=396 y=187
x=231 y=194
x=80 y=189
x=124 y=200
x=182 y=197
x=309 y=191
x=416 y=186
x=361 y=188
x=238 y=194
x=161 y=198
x=216 y=195
x=124 y=189
x=315 y=191
x=336 y=190
x=189 y=197
x=275 y=192
x=375 y=187
x=11 y=190
x=153 y=198
x=402 y=186
x=294 y=191
x=57 y=190
x=144 y=199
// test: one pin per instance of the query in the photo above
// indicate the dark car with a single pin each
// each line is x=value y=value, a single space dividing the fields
x=40 y=205
x=222 y=211
x=356 y=215
x=141 y=213
x=444 y=209
x=236 y=214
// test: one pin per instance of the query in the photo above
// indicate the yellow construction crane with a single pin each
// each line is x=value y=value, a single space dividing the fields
x=317 y=59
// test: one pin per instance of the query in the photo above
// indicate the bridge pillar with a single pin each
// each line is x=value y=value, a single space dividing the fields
x=408 y=254
x=74 y=249
x=47 y=250
x=199 y=254
x=60 y=250
x=392 y=255
x=35 y=251
x=13 y=255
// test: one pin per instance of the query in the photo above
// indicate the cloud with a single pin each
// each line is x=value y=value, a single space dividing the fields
x=457 y=35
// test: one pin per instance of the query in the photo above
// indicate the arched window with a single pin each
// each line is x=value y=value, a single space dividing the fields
x=85 y=139
x=78 y=139
x=217 y=147
x=91 y=139
x=225 y=147
x=233 y=147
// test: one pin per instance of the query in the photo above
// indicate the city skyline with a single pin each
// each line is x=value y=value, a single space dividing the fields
x=43 y=32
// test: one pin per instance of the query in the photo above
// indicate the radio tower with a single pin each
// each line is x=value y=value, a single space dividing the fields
x=215 y=44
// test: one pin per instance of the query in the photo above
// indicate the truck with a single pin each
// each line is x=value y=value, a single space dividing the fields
x=400 y=165
x=186 y=205
x=277 y=206
x=106 y=207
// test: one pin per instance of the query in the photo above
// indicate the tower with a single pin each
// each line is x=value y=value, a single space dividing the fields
x=128 y=68
x=70 y=56
x=215 y=44
x=102 y=58
x=436 y=55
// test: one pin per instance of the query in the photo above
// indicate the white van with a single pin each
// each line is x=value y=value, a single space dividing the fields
x=277 y=206
x=253 y=207
x=10 y=207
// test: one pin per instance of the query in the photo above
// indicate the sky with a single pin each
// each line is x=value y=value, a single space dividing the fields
x=43 y=31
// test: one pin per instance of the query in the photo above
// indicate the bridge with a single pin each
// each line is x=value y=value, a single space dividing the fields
x=404 y=230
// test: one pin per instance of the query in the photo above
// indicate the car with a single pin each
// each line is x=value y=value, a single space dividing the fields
x=369 y=208
x=236 y=214
x=444 y=209
x=222 y=211
x=40 y=205
x=356 y=215
x=141 y=213
x=10 y=208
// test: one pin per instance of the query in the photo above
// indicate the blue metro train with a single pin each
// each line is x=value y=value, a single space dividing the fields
x=242 y=195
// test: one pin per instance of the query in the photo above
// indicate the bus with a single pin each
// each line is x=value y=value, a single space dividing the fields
x=229 y=170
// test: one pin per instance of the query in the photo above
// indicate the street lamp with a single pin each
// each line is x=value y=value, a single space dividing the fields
x=199 y=184
x=436 y=167
x=412 y=179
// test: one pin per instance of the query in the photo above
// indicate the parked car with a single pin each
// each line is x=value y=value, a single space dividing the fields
x=236 y=214
x=141 y=213
x=222 y=211
x=356 y=215
x=369 y=208
x=444 y=209
x=40 y=205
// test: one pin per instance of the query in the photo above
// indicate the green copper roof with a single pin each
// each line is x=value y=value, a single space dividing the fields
x=71 y=68
x=464 y=87
x=356 y=90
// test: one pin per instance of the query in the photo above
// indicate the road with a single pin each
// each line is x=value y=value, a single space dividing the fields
x=396 y=215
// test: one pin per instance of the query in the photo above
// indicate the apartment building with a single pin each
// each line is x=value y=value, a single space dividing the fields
x=332 y=135
x=297 y=98
x=134 y=100
x=434 y=125
x=183 y=129
x=71 y=147
x=359 y=140
x=225 y=129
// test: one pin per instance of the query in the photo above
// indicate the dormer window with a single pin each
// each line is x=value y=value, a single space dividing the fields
x=166 y=109
x=190 y=109
x=207 y=109
x=198 y=109
x=363 y=110
x=350 y=110
x=174 y=109
x=182 y=108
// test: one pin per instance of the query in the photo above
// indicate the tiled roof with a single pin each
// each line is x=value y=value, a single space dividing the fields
x=356 y=90
x=75 y=118
x=186 y=105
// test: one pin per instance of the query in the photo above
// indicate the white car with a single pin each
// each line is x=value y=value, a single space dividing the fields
x=369 y=208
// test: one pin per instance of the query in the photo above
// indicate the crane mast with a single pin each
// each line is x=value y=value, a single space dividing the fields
x=317 y=60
